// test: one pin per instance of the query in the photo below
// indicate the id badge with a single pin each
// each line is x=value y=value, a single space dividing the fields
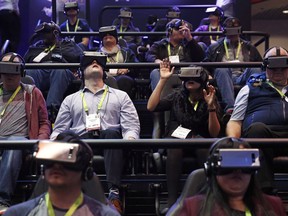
x=92 y=122
x=39 y=57
x=174 y=59
x=181 y=132
x=236 y=60
x=113 y=71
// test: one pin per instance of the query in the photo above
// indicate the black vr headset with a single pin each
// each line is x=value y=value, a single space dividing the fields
x=88 y=57
x=232 y=26
x=47 y=28
x=276 y=62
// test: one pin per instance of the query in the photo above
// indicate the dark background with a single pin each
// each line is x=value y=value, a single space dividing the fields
x=96 y=15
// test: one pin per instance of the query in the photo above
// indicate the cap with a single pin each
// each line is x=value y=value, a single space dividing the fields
x=108 y=30
x=89 y=56
x=125 y=13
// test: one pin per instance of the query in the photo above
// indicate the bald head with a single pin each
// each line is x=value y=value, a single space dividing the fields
x=275 y=51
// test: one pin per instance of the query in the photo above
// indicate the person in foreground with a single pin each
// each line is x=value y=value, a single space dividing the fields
x=64 y=175
x=231 y=188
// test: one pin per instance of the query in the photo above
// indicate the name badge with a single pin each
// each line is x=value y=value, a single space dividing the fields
x=174 y=59
x=113 y=71
x=92 y=122
x=181 y=132
x=236 y=60
x=39 y=57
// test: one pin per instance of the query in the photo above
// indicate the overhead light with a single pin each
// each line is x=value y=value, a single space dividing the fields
x=285 y=11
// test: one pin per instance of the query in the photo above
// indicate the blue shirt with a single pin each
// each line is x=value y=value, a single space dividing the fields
x=117 y=112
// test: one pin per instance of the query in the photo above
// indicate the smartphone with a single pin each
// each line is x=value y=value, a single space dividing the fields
x=238 y=158
x=57 y=151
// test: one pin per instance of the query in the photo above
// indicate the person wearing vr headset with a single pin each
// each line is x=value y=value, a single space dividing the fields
x=100 y=112
x=23 y=115
x=49 y=47
x=67 y=163
x=126 y=25
x=261 y=108
x=118 y=54
x=194 y=112
x=75 y=24
x=231 y=48
x=215 y=16
x=179 y=46
x=160 y=26
x=231 y=187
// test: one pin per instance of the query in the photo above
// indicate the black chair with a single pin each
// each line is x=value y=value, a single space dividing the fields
x=193 y=185
x=91 y=188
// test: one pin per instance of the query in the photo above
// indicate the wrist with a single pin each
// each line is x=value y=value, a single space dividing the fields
x=211 y=110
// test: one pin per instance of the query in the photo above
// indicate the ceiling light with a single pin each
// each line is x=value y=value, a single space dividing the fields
x=285 y=11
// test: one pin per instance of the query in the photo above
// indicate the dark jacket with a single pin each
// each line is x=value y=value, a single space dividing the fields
x=182 y=113
x=191 y=50
x=216 y=51
x=65 y=51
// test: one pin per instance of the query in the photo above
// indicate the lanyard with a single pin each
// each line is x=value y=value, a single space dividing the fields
x=280 y=92
x=76 y=27
x=121 y=30
x=100 y=103
x=196 y=104
x=49 y=49
x=169 y=49
x=9 y=101
x=247 y=212
x=217 y=37
x=71 y=210
x=226 y=50
x=117 y=58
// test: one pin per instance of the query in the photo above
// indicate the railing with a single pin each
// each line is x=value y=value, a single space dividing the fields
x=151 y=143
x=144 y=65
x=265 y=36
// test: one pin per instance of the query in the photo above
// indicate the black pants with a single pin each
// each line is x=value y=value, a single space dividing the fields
x=259 y=130
x=113 y=158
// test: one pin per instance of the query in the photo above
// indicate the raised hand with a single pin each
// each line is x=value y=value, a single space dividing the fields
x=165 y=71
x=209 y=96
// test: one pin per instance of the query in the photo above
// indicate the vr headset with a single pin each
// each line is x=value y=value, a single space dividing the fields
x=71 y=5
x=173 y=14
x=192 y=73
x=15 y=68
x=111 y=30
x=88 y=57
x=225 y=161
x=232 y=30
x=276 y=62
x=67 y=154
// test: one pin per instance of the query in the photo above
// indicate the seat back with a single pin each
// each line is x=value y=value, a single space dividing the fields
x=91 y=188
x=193 y=185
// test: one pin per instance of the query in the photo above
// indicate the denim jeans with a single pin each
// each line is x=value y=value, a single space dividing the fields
x=10 y=166
x=226 y=81
x=55 y=81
